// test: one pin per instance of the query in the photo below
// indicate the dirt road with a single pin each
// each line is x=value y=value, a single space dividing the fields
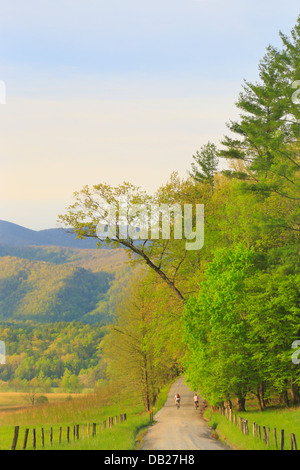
x=180 y=429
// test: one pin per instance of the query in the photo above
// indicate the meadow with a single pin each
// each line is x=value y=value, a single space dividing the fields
x=83 y=410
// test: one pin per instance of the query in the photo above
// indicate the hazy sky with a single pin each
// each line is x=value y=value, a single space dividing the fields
x=119 y=90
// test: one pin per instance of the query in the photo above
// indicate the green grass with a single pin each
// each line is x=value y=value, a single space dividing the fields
x=286 y=419
x=92 y=408
x=120 y=437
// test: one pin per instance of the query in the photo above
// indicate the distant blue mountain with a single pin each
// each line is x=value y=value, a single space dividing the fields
x=16 y=235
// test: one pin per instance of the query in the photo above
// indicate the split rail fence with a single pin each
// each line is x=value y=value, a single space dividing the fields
x=261 y=432
x=65 y=434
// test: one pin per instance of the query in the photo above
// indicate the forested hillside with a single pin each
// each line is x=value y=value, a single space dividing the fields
x=46 y=292
x=55 y=283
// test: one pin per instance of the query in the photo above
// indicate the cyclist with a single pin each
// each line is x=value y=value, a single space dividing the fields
x=196 y=401
x=177 y=400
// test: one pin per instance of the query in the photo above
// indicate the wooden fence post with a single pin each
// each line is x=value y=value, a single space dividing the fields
x=293 y=442
x=15 y=439
x=94 y=429
x=275 y=437
x=60 y=433
x=68 y=434
x=282 y=439
x=265 y=434
x=51 y=436
x=104 y=424
x=25 y=438
x=34 y=439
x=42 y=437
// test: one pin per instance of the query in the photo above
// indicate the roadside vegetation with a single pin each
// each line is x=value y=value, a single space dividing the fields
x=278 y=418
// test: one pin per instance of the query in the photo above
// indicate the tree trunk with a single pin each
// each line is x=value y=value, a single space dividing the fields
x=241 y=403
x=285 y=397
x=146 y=386
x=295 y=395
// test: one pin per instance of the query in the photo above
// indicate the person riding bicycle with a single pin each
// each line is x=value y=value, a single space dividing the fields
x=196 y=400
x=177 y=399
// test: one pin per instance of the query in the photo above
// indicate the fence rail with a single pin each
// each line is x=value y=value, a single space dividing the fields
x=259 y=431
x=88 y=430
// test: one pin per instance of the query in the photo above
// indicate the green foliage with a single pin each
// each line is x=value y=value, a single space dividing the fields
x=241 y=327
x=205 y=164
x=66 y=354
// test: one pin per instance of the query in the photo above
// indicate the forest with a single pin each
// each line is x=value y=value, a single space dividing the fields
x=226 y=315
x=65 y=355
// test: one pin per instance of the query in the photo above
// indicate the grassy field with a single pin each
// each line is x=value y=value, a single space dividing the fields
x=13 y=401
x=80 y=410
x=286 y=419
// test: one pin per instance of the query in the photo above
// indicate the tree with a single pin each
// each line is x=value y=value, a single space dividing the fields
x=32 y=388
x=123 y=215
x=141 y=357
x=206 y=165
x=70 y=382
x=266 y=138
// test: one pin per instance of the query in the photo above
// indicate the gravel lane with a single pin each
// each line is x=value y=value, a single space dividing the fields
x=180 y=429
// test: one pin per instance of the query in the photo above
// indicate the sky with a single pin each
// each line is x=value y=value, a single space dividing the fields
x=117 y=91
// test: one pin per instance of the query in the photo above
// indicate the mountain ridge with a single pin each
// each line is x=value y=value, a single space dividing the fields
x=16 y=235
